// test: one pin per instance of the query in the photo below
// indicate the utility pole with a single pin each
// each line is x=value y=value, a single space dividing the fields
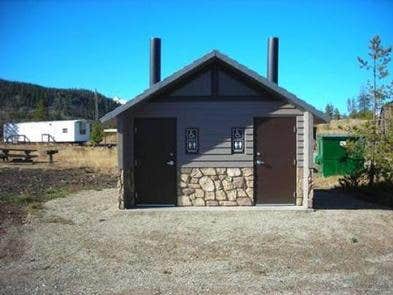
x=96 y=115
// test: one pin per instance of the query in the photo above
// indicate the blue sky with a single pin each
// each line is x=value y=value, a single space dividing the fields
x=104 y=44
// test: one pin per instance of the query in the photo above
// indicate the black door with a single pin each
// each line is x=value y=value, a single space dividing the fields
x=275 y=160
x=155 y=161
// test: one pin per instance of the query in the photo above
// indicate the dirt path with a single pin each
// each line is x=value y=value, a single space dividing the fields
x=83 y=244
x=34 y=180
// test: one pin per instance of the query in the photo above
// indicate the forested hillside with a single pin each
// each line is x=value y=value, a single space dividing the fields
x=28 y=102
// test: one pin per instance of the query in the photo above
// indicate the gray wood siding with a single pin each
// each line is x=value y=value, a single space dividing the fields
x=125 y=141
x=229 y=86
x=200 y=86
x=215 y=120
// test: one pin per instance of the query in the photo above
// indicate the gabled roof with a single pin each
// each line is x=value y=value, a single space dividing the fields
x=148 y=93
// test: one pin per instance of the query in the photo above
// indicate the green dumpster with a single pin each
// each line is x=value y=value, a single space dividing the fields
x=332 y=157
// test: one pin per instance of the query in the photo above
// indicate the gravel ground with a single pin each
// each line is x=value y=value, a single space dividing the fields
x=84 y=245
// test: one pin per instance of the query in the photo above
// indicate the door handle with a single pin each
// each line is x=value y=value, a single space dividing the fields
x=170 y=163
x=260 y=162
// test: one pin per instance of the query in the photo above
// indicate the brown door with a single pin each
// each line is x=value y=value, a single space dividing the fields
x=274 y=160
x=155 y=161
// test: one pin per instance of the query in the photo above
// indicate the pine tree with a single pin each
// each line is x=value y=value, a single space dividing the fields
x=364 y=105
x=329 y=110
x=375 y=146
x=97 y=133
x=336 y=114
x=377 y=64
x=40 y=112
x=364 y=102
x=351 y=107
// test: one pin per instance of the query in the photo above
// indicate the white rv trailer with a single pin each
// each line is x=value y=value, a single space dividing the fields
x=71 y=131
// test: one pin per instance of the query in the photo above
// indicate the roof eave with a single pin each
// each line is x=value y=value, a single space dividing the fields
x=216 y=54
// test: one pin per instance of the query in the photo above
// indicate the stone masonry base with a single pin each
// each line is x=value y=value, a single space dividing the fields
x=126 y=189
x=209 y=187
x=299 y=186
x=215 y=187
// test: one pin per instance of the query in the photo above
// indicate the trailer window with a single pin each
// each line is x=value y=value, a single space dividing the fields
x=65 y=130
x=82 y=127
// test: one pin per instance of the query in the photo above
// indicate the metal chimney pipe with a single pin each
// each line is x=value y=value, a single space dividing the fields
x=155 y=61
x=272 y=59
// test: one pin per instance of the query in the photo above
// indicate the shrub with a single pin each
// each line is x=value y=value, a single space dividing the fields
x=97 y=133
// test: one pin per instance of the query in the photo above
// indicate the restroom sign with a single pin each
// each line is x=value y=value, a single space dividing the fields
x=237 y=140
x=192 y=140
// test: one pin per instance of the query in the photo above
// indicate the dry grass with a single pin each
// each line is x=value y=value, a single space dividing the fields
x=338 y=126
x=100 y=159
x=321 y=182
x=97 y=158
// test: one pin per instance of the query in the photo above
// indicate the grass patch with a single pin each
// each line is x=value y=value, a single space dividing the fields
x=57 y=193
x=16 y=199
x=25 y=199
x=34 y=203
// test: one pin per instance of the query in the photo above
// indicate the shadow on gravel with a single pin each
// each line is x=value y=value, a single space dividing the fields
x=336 y=199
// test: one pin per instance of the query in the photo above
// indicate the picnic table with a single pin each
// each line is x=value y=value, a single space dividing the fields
x=23 y=154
